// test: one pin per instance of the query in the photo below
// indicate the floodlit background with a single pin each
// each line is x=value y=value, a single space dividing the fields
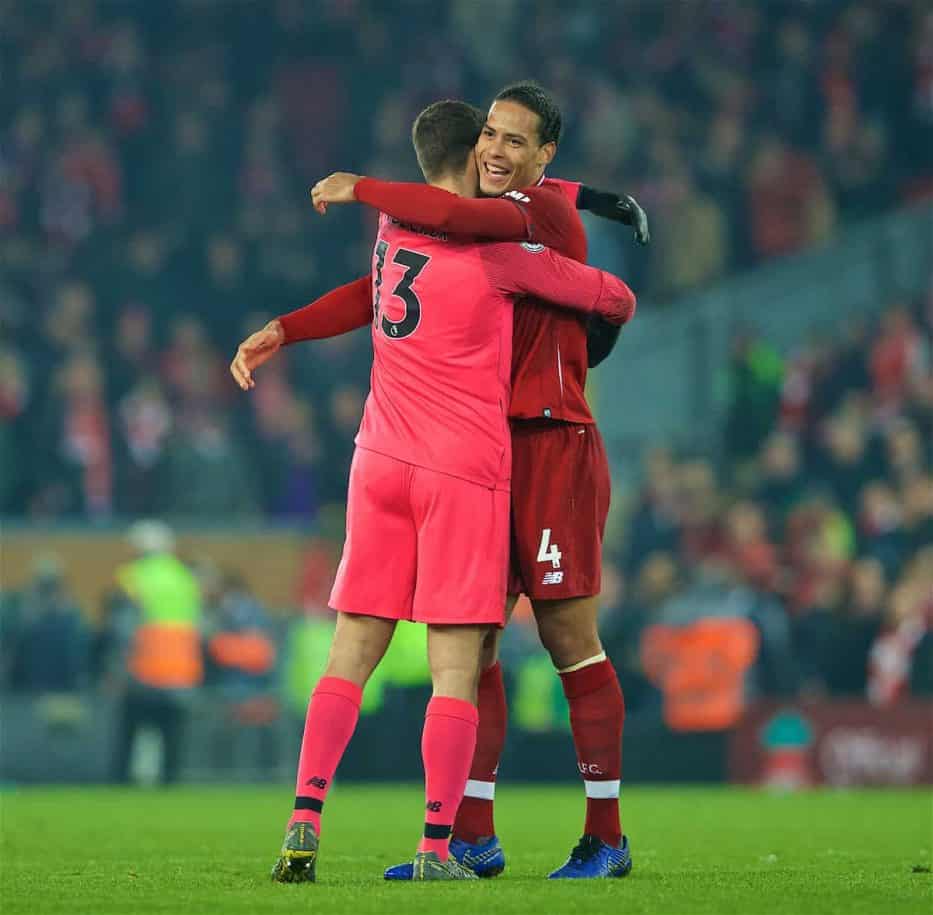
x=768 y=415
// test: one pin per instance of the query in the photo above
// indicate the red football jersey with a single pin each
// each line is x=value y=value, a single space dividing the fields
x=442 y=343
x=549 y=359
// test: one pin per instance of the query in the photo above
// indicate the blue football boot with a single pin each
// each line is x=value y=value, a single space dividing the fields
x=485 y=860
x=594 y=858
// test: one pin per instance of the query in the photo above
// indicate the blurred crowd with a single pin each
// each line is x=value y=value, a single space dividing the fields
x=154 y=161
x=816 y=526
x=801 y=560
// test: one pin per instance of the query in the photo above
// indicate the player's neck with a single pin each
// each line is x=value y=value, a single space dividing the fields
x=455 y=184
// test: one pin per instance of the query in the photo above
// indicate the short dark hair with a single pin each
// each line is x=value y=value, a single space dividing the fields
x=444 y=134
x=531 y=96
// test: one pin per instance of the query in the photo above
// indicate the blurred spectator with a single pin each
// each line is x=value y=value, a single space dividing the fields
x=240 y=649
x=621 y=628
x=781 y=480
x=241 y=656
x=881 y=526
x=49 y=640
x=755 y=373
x=15 y=395
x=74 y=445
x=203 y=472
x=748 y=546
x=789 y=207
x=654 y=525
x=846 y=465
x=133 y=355
x=144 y=425
x=897 y=356
x=892 y=673
x=691 y=243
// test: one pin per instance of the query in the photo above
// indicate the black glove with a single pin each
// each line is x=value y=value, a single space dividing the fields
x=620 y=208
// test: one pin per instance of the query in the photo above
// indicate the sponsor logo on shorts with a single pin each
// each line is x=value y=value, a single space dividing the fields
x=552 y=578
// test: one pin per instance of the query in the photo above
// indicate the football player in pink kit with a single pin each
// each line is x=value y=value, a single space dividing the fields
x=428 y=505
x=560 y=491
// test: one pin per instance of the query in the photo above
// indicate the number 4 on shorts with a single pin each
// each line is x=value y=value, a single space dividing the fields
x=544 y=553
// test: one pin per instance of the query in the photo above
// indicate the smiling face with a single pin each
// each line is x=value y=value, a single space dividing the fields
x=509 y=152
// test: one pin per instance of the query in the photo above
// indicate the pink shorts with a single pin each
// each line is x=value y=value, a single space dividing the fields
x=422 y=545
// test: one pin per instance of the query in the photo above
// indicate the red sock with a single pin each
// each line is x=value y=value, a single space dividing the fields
x=447 y=746
x=332 y=715
x=474 y=818
x=597 y=713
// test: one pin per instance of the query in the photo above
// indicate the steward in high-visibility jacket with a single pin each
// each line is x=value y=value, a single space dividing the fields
x=166 y=648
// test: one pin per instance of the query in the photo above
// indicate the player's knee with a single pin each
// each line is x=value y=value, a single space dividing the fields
x=354 y=659
x=568 y=644
x=456 y=682
x=456 y=676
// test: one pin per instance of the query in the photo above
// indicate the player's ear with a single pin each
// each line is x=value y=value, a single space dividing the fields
x=546 y=153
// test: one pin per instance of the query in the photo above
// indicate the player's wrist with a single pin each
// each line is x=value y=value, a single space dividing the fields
x=602 y=203
x=276 y=328
x=359 y=186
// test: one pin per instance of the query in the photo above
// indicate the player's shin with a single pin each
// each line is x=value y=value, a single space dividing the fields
x=447 y=747
x=597 y=715
x=333 y=712
x=475 y=820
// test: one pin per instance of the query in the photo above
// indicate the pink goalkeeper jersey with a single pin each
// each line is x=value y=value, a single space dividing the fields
x=442 y=343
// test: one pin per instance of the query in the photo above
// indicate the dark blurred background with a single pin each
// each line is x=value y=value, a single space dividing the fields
x=769 y=414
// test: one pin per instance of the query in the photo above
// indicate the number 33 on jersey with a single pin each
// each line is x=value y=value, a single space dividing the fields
x=414 y=263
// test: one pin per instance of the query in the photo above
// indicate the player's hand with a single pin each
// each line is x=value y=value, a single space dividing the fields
x=335 y=188
x=618 y=207
x=256 y=349
x=633 y=215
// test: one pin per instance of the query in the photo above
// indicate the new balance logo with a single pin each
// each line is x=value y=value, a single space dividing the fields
x=552 y=578
x=317 y=782
x=519 y=196
x=433 y=806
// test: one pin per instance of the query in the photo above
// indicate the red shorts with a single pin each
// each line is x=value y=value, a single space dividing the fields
x=560 y=500
x=422 y=545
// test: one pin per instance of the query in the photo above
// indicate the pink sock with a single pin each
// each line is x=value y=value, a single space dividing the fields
x=447 y=747
x=332 y=715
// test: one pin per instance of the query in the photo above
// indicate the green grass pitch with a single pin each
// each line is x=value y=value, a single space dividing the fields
x=721 y=850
